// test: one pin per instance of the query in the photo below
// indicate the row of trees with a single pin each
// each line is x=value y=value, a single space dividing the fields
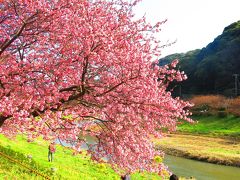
x=77 y=67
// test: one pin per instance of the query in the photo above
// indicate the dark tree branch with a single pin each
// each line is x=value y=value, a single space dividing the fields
x=114 y=87
x=85 y=67
x=8 y=42
x=71 y=88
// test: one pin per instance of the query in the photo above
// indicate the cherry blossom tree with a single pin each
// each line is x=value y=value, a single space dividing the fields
x=71 y=68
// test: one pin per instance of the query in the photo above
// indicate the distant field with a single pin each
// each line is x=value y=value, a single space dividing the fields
x=213 y=126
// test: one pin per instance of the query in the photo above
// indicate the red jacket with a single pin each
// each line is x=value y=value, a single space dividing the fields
x=52 y=148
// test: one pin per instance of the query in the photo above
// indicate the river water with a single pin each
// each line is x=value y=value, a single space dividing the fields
x=201 y=170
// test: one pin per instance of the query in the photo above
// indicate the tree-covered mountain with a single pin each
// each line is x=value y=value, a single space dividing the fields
x=212 y=68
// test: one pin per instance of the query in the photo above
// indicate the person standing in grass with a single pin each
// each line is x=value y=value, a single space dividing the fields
x=51 y=151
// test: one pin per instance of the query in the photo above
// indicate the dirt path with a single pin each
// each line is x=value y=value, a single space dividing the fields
x=209 y=149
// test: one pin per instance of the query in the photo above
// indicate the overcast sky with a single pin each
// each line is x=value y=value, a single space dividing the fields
x=193 y=23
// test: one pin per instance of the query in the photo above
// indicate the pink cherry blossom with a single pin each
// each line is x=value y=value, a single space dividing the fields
x=74 y=68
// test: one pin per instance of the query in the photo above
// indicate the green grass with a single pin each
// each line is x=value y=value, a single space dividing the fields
x=213 y=125
x=67 y=165
x=9 y=170
x=19 y=164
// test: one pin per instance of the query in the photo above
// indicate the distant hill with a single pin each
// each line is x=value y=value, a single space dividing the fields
x=211 y=70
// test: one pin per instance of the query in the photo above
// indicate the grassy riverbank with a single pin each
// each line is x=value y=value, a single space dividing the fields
x=228 y=126
x=209 y=149
x=211 y=139
x=65 y=165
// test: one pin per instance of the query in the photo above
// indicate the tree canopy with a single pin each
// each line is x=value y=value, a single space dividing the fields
x=74 y=68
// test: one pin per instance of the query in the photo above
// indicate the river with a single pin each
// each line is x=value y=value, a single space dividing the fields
x=201 y=170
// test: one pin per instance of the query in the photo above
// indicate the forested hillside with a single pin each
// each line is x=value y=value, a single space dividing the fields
x=212 y=68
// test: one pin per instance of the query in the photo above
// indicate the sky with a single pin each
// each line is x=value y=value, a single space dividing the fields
x=193 y=23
